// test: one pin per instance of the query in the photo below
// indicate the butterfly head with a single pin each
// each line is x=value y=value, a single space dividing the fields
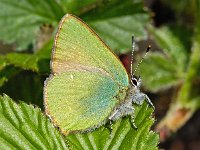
x=136 y=81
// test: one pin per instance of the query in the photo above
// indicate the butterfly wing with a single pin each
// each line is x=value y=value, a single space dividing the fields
x=80 y=100
x=78 y=48
x=87 y=80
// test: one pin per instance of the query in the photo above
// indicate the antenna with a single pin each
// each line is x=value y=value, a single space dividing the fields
x=147 y=50
x=133 y=49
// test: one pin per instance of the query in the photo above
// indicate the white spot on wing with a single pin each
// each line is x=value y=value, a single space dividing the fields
x=72 y=77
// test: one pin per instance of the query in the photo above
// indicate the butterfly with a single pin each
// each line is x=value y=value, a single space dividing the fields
x=88 y=84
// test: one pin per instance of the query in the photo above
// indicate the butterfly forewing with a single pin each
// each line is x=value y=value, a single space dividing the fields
x=77 y=47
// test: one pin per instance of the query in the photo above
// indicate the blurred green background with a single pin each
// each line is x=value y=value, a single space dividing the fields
x=170 y=72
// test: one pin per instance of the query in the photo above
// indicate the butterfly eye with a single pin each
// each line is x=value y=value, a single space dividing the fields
x=134 y=82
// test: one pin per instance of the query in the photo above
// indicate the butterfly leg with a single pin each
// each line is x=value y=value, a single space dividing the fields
x=112 y=116
x=122 y=110
x=149 y=101
x=132 y=120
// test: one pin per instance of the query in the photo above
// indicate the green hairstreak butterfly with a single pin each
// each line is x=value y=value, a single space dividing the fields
x=88 y=84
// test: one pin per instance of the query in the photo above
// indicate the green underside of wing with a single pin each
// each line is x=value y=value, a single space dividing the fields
x=81 y=100
x=77 y=46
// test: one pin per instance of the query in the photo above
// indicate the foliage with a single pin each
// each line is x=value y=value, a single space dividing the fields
x=22 y=27
x=162 y=74
x=20 y=20
x=23 y=72
x=25 y=127
x=38 y=62
x=178 y=65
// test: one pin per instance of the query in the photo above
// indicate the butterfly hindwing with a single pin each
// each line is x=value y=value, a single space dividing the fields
x=80 y=100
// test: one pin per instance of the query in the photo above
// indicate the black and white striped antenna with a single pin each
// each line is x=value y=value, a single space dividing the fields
x=133 y=50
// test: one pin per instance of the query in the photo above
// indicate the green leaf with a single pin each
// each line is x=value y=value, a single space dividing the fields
x=2 y=62
x=6 y=73
x=38 y=62
x=24 y=127
x=20 y=20
x=179 y=6
x=190 y=87
x=2 y=66
x=75 y=7
x=172 y=46
x=163 y=70
x=26 y=86
x=122 y=135
x=196 y=5
x=158 y=73
x=187 y=99
x=117 y=21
